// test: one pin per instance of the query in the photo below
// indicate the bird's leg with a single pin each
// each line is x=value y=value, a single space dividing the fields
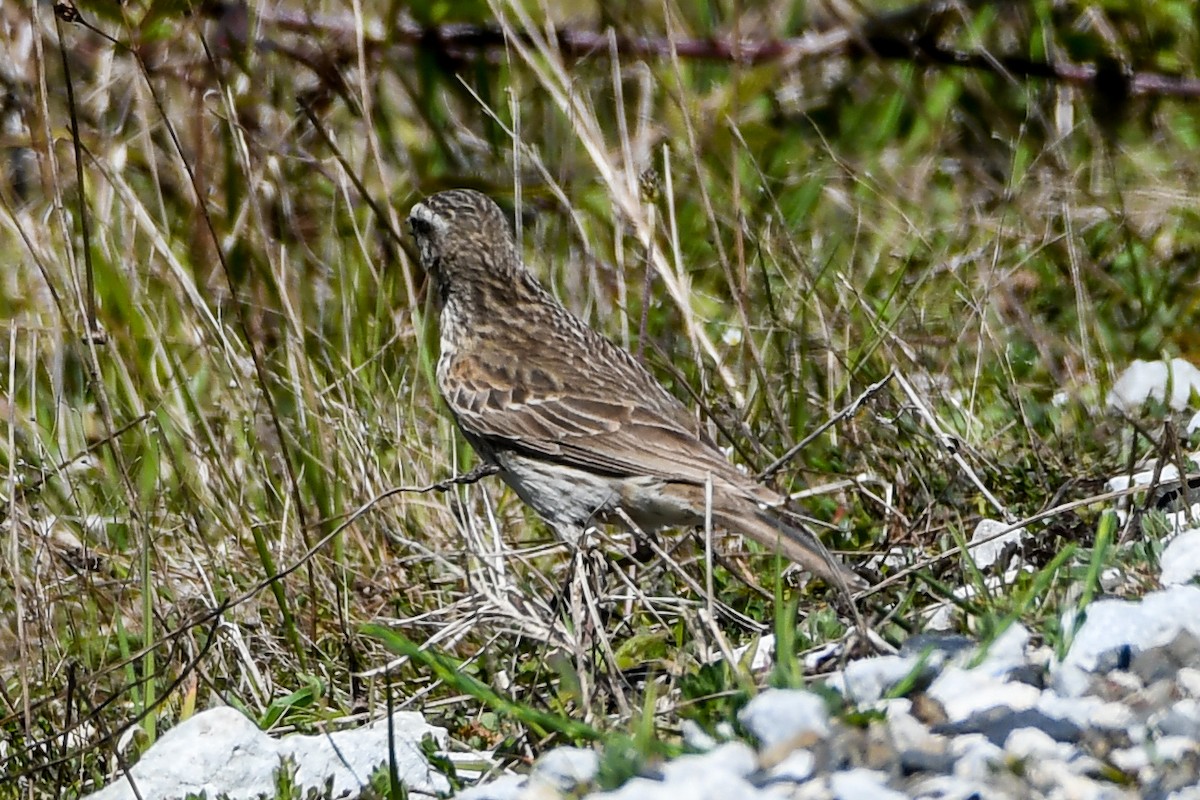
x=644 y=544
x=587 y=583
x=582 y=567
x=581 y=622
x=583 y=586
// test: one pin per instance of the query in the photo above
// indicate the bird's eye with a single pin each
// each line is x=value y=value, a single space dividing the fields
x=420 y=227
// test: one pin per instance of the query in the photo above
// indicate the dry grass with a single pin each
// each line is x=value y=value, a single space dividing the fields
x=178 y=485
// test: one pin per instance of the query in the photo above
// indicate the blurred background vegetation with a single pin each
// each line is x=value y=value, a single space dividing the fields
x=217 y=346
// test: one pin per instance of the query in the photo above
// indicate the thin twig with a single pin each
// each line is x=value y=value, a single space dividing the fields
x=852 y=408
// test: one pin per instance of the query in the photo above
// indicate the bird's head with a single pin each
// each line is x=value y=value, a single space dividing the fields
x=464 y=240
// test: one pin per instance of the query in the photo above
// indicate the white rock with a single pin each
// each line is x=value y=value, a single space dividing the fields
x=1145 y=760
x=895 y=558
x=1087 y=712
x=1057 y=779
x=912 y=739
x=906 y=730
x=965 y=692
x=1163 y=477
x=987 y=543
x=1111 y=578
x=506 y=787
x=731 y=758
x=1188 y=679
x=1174 y=749
x=1181 y=558
x=1034 y=744
x=764 y=653
x=1154 y=621
x=796 y=767
x=565 y=768
x=780 y=715
x=715 y=786
x=865 y=681
x=977 y=758
x=855 y=784
x=1144 y=380
x=695 y=737
x=815 y=658
x=220 y=751
x=950 y=787
x=1154 y=474
x=1006 y=653
x=1130 y=759
x=1181 y=719
x=942 y=619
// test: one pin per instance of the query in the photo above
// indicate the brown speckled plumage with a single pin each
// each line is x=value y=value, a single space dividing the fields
x=577 y=426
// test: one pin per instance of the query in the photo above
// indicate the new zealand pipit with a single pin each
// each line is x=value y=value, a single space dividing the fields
x=579 y=429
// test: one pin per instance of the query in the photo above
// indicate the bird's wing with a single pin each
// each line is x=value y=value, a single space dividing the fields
x=593 y=421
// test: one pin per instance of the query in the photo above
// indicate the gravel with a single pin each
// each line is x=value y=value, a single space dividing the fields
x=1117 y=717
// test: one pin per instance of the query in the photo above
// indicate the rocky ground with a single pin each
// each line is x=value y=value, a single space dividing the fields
x=1117 y=715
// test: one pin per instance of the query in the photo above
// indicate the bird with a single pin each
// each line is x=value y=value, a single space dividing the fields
x=579 y=429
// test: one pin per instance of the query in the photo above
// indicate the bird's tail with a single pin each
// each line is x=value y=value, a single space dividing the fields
x=791 y=540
